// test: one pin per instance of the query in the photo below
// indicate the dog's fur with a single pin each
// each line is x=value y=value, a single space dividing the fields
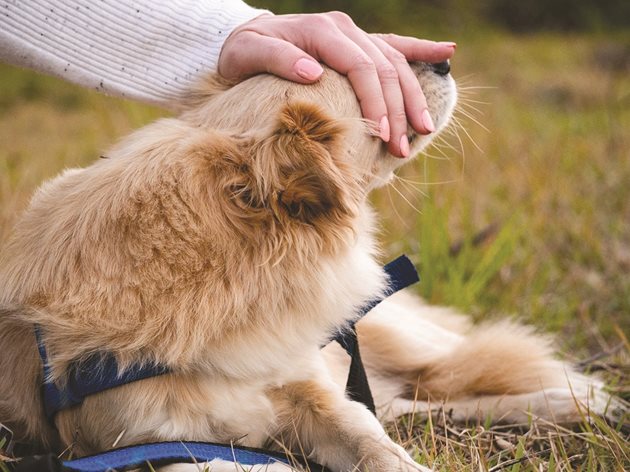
x=227 y=245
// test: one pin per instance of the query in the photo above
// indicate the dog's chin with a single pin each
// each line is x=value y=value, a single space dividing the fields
x=388 y=163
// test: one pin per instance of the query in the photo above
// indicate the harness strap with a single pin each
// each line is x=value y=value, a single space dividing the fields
x=158 y=454
x=169 y=452
x=402 y=274
x=96 y=373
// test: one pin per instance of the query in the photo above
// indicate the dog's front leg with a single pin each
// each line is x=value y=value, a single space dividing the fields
x=316 y=418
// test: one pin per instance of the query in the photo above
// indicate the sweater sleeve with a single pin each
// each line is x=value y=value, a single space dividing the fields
x=146 y=50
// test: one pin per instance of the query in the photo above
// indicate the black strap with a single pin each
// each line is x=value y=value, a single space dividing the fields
x=401 y=274
x=357 y=386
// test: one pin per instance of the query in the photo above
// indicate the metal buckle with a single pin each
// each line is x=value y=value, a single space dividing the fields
x=6 y=441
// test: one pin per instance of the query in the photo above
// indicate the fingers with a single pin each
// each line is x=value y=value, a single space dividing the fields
x=419 y=49
x=400 y=92
x=415 y=103
x=411 y=49
x=251 y=53
x=381 y=76
x=385 y=71
x=347 y=57
x=374 y=77
x=376 y=65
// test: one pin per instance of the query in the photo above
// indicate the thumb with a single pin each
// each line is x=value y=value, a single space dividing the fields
x=249 y=53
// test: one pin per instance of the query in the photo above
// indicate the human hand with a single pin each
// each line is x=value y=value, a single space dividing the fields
x=290 y=46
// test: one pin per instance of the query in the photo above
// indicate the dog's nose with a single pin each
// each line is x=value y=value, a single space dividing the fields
x=441 y=68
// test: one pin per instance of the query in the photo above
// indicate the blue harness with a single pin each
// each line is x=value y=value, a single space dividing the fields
x=169 y=452
x=99 y=372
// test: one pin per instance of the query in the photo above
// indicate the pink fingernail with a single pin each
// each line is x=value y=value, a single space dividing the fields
x=427 y=121
x=448 y=44
x=383 y=127
x=308 y=69
x=404 y=146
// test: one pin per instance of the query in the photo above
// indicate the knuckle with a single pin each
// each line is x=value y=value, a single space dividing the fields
x=238 y=39
x=396 y=56
x=276 y=52
x=341 y=18
x=398 y=115
x=363 y=63
x=388 y=72
x=320 y=22
x=387 y=37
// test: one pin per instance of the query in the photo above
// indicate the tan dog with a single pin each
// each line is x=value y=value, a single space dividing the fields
x=227 y=245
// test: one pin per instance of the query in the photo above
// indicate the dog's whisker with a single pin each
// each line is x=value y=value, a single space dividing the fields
x=453 y=130
x=394 y=206
x=475 y=87
x=456 y=128
x=406 y=200
x=472 y=118
x=469 y=108
x=414 y=188
x=407 y=181
x=440 y=144
x=426 y=183
x=469 y=102
x=472 y=140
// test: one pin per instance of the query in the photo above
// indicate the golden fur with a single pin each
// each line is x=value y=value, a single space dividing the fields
x=227 y=244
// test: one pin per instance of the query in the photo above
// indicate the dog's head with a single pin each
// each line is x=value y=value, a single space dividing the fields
x=306 y=154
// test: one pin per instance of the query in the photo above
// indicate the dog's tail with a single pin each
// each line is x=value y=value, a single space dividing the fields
x=429 y=354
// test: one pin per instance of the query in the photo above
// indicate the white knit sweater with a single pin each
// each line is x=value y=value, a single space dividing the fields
x=146 y=50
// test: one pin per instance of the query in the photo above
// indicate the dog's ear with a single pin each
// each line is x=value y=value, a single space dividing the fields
x=300 y=169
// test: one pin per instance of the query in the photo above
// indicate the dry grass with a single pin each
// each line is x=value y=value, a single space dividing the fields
x=534 y=447
x=551 y=176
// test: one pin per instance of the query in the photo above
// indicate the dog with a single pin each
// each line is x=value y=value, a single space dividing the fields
x=227 y=245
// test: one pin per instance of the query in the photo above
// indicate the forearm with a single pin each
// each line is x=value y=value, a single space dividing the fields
x=143 y=50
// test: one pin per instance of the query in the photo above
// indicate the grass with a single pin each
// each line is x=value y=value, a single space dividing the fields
x=527 y=218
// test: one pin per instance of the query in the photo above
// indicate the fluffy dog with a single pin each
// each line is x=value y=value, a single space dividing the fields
x=227 y=245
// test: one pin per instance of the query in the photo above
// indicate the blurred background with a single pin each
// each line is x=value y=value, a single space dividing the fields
x=461 y=17
x=522 y=210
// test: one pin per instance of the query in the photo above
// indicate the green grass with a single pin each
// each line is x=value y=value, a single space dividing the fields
x=548 y=178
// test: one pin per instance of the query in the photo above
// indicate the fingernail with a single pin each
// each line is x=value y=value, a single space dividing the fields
x=308 y=69
x=449 y=44
x=383 y=127
x=404 y=146
x=427 y=121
